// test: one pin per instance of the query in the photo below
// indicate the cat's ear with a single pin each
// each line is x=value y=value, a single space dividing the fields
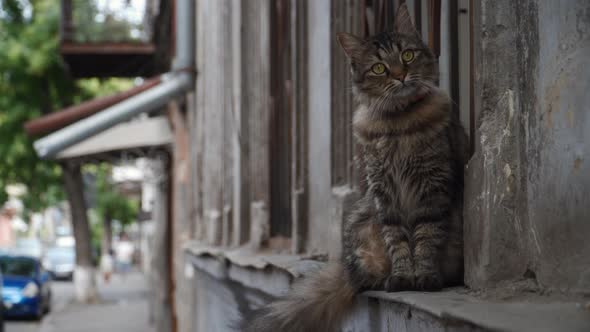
x=351 y=44
x=403 y=21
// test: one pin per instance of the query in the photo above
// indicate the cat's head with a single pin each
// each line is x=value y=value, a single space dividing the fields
x=392 y=69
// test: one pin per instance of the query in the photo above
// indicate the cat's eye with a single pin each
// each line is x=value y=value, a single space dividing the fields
x=408 y=56
x=378 y=68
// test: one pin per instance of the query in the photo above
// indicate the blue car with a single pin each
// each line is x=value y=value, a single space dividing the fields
x=26 y=289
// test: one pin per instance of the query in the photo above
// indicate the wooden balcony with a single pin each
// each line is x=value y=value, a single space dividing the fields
x=96 y=55
x=109 y=59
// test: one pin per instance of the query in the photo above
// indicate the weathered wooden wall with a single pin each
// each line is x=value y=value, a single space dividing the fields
x=232 y=125
x=272 y=151
x=214 y=108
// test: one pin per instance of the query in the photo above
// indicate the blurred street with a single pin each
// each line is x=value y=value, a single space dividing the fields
x=123 y=306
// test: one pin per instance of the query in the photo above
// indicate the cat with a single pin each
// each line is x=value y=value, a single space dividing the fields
x=406 y=231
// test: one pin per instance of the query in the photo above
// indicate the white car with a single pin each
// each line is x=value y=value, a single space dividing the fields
x=60 y=262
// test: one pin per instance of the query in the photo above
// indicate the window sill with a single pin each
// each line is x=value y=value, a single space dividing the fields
x=273 y=274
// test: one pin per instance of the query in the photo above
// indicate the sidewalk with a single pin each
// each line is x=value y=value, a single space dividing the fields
x=123 y=307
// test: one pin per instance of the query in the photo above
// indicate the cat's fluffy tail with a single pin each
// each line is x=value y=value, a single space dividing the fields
x=318 y=303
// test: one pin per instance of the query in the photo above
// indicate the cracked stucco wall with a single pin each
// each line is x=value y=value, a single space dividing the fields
x=528 y=184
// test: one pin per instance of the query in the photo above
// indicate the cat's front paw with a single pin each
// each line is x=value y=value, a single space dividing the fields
x=429 y=282
x=399 y=283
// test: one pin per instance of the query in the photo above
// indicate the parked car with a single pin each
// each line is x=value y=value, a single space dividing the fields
x=60 y=262
x=26 y=287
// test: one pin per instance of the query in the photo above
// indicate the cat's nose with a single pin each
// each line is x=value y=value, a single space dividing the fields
x=401 y=76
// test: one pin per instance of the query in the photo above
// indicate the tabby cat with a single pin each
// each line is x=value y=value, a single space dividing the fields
x=406 y=232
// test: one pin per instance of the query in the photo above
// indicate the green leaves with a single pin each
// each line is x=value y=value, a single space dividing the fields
x=33 y=82
x=30 y=70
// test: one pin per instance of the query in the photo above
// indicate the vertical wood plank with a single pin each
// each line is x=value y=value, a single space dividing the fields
x=434 y=26
x=280 y=142
x=320 y=37
x=299 y=104
x=445 y=81
x=198 y=131
x=192 y=168
x=161 y=282
x=425 y=26
x=256 y=98
x=228 y=127
x=472 y=54
x=454 y=49
x=181 y=224
x=346 y=16
x=214 y=77
x=418 y=15
x=240 y=134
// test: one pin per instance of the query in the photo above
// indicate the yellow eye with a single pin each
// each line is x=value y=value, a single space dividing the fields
x=378 y=68
x=408 y=56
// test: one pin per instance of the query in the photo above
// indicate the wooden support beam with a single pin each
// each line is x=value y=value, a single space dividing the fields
x=434 y=26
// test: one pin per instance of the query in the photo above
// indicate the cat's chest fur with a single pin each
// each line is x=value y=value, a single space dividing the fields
x=396 y=171
x=386 y=162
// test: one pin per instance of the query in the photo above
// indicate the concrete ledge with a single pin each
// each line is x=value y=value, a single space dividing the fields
x=535 y=313
x=453 y=309
x=267 y=272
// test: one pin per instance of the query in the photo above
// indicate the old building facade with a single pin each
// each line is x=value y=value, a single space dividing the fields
x=262 y=171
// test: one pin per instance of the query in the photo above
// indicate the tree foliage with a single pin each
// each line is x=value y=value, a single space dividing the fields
x=110 y=203
x=34 y=82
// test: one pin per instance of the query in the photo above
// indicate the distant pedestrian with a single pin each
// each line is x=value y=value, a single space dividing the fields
x=107 y=265
x=124 y=252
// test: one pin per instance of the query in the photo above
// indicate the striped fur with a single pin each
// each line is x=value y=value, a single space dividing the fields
x=412 y=153
x=406 y=231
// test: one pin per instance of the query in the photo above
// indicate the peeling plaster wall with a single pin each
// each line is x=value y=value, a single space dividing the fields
x=528 y=185
x=558 y=147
